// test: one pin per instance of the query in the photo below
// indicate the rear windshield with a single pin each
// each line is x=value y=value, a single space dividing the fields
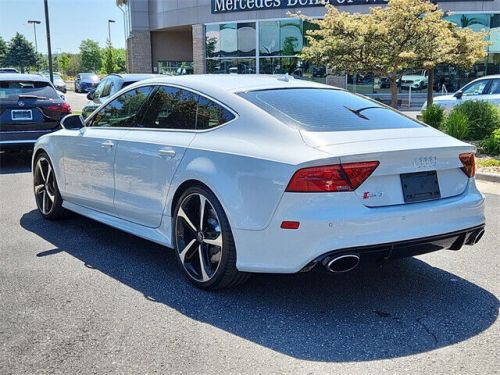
x=327 y=110
x=89 y=76
x=10 y=90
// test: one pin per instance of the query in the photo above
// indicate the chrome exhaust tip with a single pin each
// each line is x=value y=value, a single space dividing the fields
x=342 y=263
x=479 y=236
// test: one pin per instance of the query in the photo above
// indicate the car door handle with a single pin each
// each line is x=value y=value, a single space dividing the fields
x=168 y=152
x=108 y=144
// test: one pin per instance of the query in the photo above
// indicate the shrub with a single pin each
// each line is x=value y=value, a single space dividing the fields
x=433 y=115
x=457 y=124
x=491 y=145
x=483 y=118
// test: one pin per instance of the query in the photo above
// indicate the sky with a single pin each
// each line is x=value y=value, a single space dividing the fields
x=71 y=21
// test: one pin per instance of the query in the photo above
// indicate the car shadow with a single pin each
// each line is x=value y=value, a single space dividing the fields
x=15 y=162
x=406 y=307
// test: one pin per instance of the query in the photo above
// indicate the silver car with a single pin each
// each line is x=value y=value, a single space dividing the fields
x=484 y=88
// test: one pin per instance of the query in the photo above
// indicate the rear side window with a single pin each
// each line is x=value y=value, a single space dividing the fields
x=11 y=90
x=122 y=111
x=325 y=110
x=171 y=108
x=210 y=114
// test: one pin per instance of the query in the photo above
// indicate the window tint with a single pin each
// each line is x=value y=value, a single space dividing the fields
x=171 y=108
x=100 y=88
x=106 y=90
x=211 y=114
x=122 y=111
x=475 y=88
x=495 y=87
x=327 y=110
x=10 y=90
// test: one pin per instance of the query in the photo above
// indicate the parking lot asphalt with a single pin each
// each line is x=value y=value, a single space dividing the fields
x=76 y=100
x=77 y=296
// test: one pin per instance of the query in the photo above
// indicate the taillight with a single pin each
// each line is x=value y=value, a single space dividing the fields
x=332 y=178
x=62 y=108
x=469 y=163
x=56 y=110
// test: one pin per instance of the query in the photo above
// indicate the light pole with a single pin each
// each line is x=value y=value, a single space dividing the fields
x=35 y=22
x=49 y=49
x=109 y=29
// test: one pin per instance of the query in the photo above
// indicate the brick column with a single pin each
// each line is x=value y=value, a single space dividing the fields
x=199 y=49
x=139 y=52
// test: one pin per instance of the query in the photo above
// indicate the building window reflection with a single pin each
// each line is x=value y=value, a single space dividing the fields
x=232 y=48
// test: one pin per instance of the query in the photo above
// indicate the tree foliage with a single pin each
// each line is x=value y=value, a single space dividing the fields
x=90 y=55
x=389 y=40
x=3 y=50
x=20 y=53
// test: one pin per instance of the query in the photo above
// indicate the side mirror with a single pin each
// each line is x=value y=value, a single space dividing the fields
x=458 y=94
x=72 y=122
x=90 y=95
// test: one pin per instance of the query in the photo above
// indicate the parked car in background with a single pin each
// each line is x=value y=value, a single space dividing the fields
x=8 y=70
x=29 y=108
x=236 y=177
x=109 y=86
x=417 y=80
x=86 y=82
x=59 y=83
x=485 y=88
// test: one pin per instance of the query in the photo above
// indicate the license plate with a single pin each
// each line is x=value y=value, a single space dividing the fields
x=421 y=186
x=21 y=114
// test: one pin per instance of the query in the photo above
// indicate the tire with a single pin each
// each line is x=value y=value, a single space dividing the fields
x=205 y=248
x=47 y=196
x=76 y=89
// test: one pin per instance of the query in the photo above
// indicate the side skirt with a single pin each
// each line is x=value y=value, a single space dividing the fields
x=151 y=234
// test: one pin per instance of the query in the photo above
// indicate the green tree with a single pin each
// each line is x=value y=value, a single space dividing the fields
x=20 y=53
x=3 y=50
x=121 y=60
x=74 y=65
x=90 y=55
x=108 y=55
x=387 y=41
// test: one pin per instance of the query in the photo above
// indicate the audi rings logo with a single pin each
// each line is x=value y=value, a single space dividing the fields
x=425 y=162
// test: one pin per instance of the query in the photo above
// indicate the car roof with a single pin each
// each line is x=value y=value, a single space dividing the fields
x=22 y=77
x=488 y=77
x=134 y=77
x=223 y=83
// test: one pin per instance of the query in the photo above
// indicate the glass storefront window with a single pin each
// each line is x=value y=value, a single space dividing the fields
x=212 y=39
x=228 y=66
x=269 y=38
x=175 y=68
x=291 y=37
x=246 y=39
x=228 y=39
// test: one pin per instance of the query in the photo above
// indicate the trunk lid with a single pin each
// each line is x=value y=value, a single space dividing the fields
x=404 y=155
x=32 y=114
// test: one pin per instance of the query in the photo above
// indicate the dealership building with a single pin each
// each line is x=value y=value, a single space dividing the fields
x=259 y=36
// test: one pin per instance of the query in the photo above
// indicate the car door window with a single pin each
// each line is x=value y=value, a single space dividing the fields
x=100 y=88
x=106 y=90
x=494 y=87
x=475 y=88
x=122 y=111
x=211 y=114
x=171 y=108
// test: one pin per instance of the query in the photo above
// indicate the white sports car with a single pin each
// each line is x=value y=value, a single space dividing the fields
x=243 y=174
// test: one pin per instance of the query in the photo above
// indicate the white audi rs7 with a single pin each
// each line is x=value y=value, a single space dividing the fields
x=245 y=174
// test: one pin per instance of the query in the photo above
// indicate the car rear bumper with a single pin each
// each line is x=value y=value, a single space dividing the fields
x=337 y=222
x=14 y=139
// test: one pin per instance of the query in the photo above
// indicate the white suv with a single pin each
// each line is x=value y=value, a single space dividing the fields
x=485 y=88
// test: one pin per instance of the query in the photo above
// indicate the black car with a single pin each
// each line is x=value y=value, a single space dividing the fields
x=108 y=87
x=86 y=82
x=29 y=108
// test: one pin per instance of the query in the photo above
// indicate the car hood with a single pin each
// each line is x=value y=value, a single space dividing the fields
x=414 y=78
x=443 y=98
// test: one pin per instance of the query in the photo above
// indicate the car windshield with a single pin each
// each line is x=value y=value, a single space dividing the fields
x=91 y=76
x=327 y=110
x=11 y=90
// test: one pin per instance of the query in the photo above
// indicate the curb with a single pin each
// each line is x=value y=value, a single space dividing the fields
x=491 y=177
